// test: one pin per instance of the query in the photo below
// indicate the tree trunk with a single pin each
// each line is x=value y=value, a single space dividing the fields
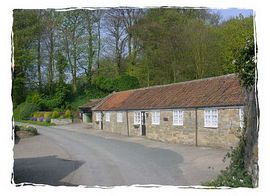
x=39 y=65
x=99 y=46
x=90 y=58
x=74 y=73
x=51 y=62
x=252 y=127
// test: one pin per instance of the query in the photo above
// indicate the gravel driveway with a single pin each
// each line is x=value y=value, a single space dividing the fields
x=77 y=155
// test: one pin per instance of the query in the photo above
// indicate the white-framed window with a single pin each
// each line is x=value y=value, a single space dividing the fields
x=156 y=117
x=241 y=117
x=119 y=116
x=178 y=116
x=211 y=118
x=98 y=116
x=108 y=116
x=137 y=118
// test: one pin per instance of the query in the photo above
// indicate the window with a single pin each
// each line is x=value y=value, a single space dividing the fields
x=155 y=117
x=178 y=117
x=98 y=116
x=137 y=118
x=108 y=116
x=211 y=118
x=241 y=116
x=119 y=116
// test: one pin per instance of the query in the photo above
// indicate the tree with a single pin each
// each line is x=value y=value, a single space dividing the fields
x=72 y=31
x=178 y=45
x=116 y=37
x=130 y=18
x=233 y=34
x=61 y=64
x=88 y=16
x=51 y=22
x=24 y=34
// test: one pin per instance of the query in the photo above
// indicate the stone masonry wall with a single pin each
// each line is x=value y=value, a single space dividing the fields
x=112 y=126
x=223 y=136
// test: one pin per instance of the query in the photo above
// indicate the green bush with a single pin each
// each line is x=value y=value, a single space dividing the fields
x=40 y=115
x=35 y=98
x=47 y=115
x=55 y=114
x=35 y=115
x=119 y=83
x=27 y=128
x=25 y=110
x=68 y=114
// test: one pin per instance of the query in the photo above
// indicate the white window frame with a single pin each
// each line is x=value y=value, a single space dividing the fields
x=241 y=117
x=156 y=117
x=137 y=118
x=119 y=116
x=98 y=116
x=178 y=117
x=211 y=118
x=108 y=116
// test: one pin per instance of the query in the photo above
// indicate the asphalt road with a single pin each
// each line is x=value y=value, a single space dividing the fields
x=73 y=155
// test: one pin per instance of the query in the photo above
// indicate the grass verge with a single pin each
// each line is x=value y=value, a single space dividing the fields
x=36 y=122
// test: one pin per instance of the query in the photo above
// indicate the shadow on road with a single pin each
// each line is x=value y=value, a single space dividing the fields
x=48 y=170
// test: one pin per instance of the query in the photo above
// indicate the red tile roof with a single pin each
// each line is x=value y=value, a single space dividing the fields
x=91 y=103
x=216 y=91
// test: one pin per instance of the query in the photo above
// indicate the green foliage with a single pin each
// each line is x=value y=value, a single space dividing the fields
x=235 y=174
x=35 y=98
x=125 y=82
x=119 y=83
x=177 y=45
x=245 y=64
x=234 y=33
x=25 y=110
x=30 y=129
x=25 y=29
x=61 y=66
x=47 y=115
x=68 y=114
x=55 y=114
x=43 y=123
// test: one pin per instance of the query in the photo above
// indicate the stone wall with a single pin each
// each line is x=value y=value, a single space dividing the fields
x=112 y=126
x=64 y=121
x=222 y=136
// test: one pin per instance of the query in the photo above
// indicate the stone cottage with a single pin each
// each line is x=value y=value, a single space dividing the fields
x=204 y=112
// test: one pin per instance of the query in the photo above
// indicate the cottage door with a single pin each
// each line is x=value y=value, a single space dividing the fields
x=143 y=123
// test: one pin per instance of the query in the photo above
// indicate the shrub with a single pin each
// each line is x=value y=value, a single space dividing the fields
x=68 y=114
x=35 y=115
x=55 y=114
x=30 y=129
x=40 y=115
x=27 y=128
x=47 y=115
x=25 y=110
x=40 y=119
x=33 y=119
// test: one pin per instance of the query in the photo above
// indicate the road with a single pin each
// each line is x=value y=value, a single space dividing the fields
x=75 y=155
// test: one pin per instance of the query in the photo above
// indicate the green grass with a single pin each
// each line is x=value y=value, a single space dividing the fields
x=36 y=122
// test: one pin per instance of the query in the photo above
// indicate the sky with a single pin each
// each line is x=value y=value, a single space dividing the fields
x=232 y=12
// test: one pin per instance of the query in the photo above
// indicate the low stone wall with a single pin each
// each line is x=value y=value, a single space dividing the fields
x=64 y=121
